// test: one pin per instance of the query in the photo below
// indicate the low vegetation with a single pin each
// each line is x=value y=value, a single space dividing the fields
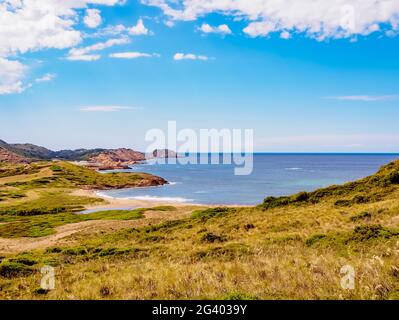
x=286 y=248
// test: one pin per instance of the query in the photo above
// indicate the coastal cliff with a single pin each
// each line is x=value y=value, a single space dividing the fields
x=115 y=159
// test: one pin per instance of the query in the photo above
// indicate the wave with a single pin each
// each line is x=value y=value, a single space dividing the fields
x=294 y=169
x=147 y=198
x=103 y=195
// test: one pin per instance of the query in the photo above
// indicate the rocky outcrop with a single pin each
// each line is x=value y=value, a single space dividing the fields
x=115 y=159
x=164 y=153
x=8 y=156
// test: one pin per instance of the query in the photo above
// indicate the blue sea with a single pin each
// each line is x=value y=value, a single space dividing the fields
x=273 y=175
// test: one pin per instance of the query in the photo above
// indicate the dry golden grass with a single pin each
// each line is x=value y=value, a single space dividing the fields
x=290 y=251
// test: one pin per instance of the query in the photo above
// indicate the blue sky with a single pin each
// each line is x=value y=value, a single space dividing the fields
x=324 y=91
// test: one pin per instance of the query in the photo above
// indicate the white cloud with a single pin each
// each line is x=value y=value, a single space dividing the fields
x=257 y=29
x=11 y=74
x=285 y=35
x=84 y=54
x=105 y=108
x=47 y=77
x=32 y=25
x=189 y=56
x=365 y=98
x=169 y=23
x=84 y=57
x=222 y=29
x=139 y=29
x=113 y=30
x=132 y=55
x=93 y=18
x=319 y=19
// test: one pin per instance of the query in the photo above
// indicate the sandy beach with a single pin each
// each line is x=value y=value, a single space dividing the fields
x=117 y=203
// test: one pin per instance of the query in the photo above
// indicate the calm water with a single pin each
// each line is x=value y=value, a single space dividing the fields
x=273 y=175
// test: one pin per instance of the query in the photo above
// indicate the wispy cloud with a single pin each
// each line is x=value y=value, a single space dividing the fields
x=365 y=98
x=47 y=77
x=84 y=54
x=189 y=56
x=104 y=108
x=120 y=29
x=133 y=55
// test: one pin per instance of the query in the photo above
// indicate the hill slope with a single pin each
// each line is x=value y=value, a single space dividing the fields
x=297 y=247
x=9 y=156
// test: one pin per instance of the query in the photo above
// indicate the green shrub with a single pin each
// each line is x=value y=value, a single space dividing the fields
x=56 y=168
x=342 y=203
x=361 y=216
x=211 y=238
x=315 y=238
x=375 y=231
x=10 y=269
x=240 y=296
x=212 y=213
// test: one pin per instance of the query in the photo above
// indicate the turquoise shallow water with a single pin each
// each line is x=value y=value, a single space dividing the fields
x=273 y=175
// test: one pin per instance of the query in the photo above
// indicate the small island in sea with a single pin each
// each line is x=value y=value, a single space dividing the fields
x=50 y=213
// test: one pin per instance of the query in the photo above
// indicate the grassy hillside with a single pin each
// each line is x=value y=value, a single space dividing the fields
x=286 y=248
x=35 y=198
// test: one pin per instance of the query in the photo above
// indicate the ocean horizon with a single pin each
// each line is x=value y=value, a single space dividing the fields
x=274 y=174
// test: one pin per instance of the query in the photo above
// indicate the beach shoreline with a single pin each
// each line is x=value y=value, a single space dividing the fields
x=111 y=203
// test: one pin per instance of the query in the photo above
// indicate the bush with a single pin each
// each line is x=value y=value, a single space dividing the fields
x=275 y=202
x=56 y=168
x=342 y=203
x=300 y=197
x=211 y=238
x=10 y=269
x=315 y=238
x=212 y=213
x=361 y=216
x=24 y=260
x=240 y=296
x=367 y=232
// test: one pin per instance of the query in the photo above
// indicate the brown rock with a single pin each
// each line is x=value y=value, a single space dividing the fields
x=115 y=159
x=8 y=156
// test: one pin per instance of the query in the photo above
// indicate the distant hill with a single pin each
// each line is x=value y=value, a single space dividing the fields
x=32 y=151
x=29 y=150
x=96 y=158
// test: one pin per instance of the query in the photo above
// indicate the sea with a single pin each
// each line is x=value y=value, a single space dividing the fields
x=272 y=175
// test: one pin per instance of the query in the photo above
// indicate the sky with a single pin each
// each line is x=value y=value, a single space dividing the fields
x=305 y=75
